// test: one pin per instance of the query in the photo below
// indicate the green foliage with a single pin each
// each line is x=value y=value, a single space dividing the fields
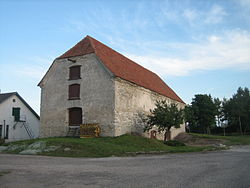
x=233 y=114
x=201 y=113
x=190 y=118
x=174 y=143
x=164 y=116
x=219 y=115
x=236 y=110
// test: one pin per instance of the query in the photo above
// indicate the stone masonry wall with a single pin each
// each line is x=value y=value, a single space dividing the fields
x=96 y=96
x=131 y=102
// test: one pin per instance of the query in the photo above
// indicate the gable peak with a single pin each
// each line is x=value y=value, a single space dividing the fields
x=81 y=48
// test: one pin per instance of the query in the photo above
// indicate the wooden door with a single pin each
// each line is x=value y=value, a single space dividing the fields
x=75 y=116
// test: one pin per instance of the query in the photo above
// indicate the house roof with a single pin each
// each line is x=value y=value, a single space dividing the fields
x=122 y=67
x=5 y=96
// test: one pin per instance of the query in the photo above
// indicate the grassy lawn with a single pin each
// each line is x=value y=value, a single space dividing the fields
x=125 y=145
x=103 y=147
x=229 y=140
x=2 y=173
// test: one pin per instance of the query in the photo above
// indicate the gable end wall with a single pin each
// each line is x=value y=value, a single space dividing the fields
x=96 y=96
x=16 y=129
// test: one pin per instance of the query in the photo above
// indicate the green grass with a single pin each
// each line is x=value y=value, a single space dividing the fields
x=228 y=140
x=107 y=146
x=118 y=146
x=2 y=173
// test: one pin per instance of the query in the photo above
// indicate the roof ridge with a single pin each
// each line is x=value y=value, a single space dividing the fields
x=136 y=68
x=117 y=52
x=91 y=43
x=5 y=96
x=121 y=66
x=8 y=93
x=76 y=49
x=96 y=51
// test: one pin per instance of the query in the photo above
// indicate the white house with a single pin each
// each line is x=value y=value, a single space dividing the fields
x=18 y=121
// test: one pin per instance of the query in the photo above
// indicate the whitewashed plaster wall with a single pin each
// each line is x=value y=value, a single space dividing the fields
x=18 y=132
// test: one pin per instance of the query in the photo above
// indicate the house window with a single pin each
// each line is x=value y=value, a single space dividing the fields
x=74 y=91
x=16 y=114
x=75 y=72
x=75 y=116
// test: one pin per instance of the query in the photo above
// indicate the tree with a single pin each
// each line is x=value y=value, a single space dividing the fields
x=218 y=113
x=201 y=113
x=164 y=117
x=190 y=119
x=237 y=110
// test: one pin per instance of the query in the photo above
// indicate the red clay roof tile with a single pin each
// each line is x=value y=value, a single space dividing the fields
x=122 y=67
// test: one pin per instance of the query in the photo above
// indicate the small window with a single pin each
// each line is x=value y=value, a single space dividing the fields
x=14 y=100
x=16 y=114
x=74 y=91
x=75 y=72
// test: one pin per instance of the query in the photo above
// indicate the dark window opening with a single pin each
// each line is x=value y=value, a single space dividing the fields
x=74 y=91
x=16 y=114
x=7 y=132
x=1 y=130
x=75 y=116
x=75 y=72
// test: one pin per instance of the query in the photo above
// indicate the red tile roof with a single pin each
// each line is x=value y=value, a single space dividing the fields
x=122 y=67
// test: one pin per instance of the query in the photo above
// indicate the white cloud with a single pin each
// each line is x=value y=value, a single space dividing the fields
x=244 y=3
x=190 y=15
x=34 y=68
x=42 y=60
x=30 y=68
x=31 y=72
x=229 y=50
x=182 y=13
x=213 y=38
x=215 y=15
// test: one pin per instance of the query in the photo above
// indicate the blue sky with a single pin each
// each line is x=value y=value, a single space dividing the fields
x=197 y=47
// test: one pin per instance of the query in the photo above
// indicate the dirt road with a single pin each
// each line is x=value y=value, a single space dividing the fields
x=228 y=168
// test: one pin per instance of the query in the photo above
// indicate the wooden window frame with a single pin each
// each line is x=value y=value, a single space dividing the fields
x=16 y=113
x=75 y=74
x=71 y=92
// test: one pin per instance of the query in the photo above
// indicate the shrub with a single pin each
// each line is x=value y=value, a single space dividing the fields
x=1 y=141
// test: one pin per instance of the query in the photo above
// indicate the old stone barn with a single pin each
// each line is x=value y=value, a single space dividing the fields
x=93 y=84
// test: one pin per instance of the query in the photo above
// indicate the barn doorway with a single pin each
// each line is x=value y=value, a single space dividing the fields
x=75 y=116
